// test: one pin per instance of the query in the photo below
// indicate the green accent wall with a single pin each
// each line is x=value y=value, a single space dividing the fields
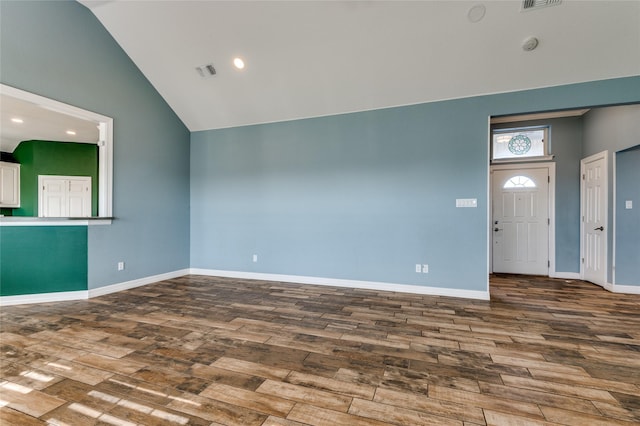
x=42 y=259
x=53 y=158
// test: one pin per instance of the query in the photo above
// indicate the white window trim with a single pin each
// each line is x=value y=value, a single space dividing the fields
x=105 y=142
x=523 y=160
x=547 y=147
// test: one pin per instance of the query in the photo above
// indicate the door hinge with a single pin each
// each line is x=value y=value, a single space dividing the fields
x=583 y=260
x=583 y=176
x=548 y=179
x=548 y=263
x=548 y=221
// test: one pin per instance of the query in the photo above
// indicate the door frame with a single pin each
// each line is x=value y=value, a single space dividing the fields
x=551 y=169
x=604 y=155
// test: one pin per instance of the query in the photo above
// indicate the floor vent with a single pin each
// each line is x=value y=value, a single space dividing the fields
x=537 y=4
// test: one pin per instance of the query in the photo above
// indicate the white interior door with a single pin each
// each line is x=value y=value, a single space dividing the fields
x=79 y=197
x=64 y=196
x=520 y=221
x=53 y=198
x=594 y=218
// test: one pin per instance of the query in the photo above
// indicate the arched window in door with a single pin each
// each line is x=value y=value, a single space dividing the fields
x=519 y=182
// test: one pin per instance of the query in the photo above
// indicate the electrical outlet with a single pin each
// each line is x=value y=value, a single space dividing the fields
x=120 y=266
x=255 y=257
x=418 y=268
x=425 y=269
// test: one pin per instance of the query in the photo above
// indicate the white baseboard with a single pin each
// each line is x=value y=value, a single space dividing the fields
x=113 y=288
x=60 y=296
x=64 y=296
x=369 y=285
x=627 y=289
x=566 y=275
x=613 y=288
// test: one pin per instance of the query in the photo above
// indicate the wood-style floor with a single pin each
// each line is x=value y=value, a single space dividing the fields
x=211 y=351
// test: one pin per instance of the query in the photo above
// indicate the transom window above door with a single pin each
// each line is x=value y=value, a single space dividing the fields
x=517 y=144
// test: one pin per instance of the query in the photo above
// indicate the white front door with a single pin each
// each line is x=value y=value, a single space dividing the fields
x=520 y=221
x=64 y=196
x=594 y=218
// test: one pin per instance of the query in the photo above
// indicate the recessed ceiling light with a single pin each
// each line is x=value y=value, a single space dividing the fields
x=71 y=132
x=17 y=120
x=238 y=63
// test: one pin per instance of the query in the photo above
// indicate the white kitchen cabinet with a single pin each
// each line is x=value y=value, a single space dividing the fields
x=9 y=184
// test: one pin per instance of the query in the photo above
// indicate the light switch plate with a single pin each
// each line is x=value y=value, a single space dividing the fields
x=466 y=202
x=628 y=204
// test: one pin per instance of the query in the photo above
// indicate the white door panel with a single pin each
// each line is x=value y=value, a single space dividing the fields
x=520 y=221
x=79 y=198
x=594 y=205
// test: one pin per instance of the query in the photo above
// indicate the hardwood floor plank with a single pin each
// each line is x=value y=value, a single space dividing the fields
x=504 y=405
x=251 y=368
x=496 y=418
x=217 y=411
x=262 y=403
x=315 y=416
x=572 y=418
x=558 y=388
x=28 y=401
x=397 y=415
x=315 y=397
x=584 y=381
x=539 y=397
x=331 y=385
x=465 y=413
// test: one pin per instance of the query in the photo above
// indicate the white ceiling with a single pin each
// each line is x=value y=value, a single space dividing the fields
x=40 y=123
x=314 y=58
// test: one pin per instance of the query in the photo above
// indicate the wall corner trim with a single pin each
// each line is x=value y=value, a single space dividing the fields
x=334 y=282
x=60 y=296
x=113 y=288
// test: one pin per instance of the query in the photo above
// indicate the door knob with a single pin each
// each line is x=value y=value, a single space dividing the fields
x=601 y=228
x=496 y=229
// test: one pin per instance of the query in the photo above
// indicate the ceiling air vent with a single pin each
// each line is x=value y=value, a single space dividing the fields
x=537 y=4
x=206 y=71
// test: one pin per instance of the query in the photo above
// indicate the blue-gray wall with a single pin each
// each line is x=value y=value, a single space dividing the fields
x=565 y=135
x=363 y=196
x=628 y=220
x=611 y=129
x=358 y=196
x=58 y=49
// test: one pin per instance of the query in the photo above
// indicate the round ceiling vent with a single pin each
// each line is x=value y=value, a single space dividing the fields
x=476 y=13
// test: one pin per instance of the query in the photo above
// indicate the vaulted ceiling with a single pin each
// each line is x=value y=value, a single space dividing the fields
x=314 y=58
